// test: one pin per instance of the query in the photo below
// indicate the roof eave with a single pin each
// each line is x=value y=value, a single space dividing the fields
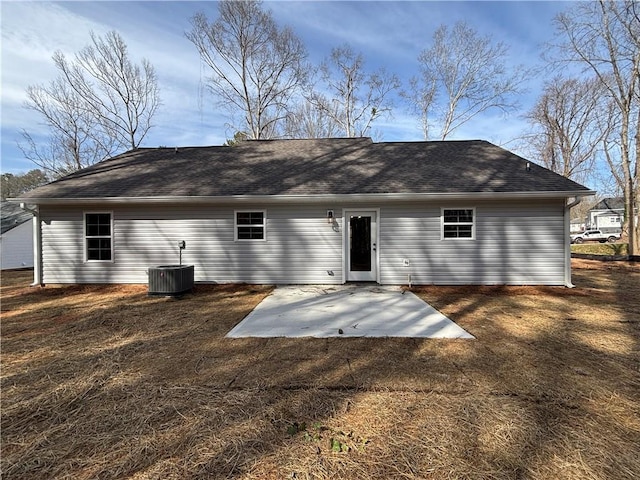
x=320 y=198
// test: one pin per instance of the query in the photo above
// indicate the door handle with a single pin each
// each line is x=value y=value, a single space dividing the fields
x=374 y=247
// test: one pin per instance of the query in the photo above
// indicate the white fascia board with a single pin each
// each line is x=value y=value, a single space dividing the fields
x=277 y=199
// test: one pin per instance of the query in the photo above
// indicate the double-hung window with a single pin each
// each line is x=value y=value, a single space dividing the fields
x=250 y=225
x=458 y=223
x=98 y=236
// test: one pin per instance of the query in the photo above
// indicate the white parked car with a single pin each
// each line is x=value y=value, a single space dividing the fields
x=594 y=236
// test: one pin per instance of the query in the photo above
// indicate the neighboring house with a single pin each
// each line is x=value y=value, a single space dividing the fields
x=577 y=225
x=607 y=215
x=324 y=211
x=16 y=237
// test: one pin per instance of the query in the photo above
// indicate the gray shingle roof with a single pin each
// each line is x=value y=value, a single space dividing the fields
x=614 y=203
x=309 y=167
x=11 y=216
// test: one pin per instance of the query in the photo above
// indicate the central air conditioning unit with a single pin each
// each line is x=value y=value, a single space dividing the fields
x=170 y=280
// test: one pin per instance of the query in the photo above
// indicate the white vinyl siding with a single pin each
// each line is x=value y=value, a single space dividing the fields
x=516 y=242
x=301 y=246
x=16 y=247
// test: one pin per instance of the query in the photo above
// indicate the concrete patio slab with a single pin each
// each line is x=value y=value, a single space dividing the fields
x=348 y=311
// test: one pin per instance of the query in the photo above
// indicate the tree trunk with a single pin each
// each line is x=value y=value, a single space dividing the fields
x=634 y=225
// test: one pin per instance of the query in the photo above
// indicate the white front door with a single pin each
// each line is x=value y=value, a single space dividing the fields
x=361 y=245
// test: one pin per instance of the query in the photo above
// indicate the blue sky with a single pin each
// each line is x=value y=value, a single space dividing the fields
x=389 y=34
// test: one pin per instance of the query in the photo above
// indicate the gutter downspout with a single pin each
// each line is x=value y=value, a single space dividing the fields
x=37 y=245
x=567 y=241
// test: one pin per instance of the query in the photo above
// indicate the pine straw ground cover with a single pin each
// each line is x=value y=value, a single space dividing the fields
x=106 y=382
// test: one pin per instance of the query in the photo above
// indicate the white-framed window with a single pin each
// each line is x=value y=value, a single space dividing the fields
x=458 y=223
x=98 y=236
x=614 y=219
x=250 y=225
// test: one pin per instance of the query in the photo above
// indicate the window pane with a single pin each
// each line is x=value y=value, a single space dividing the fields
x=244 y=233
x=98 y=224
x=250 y=218
x=450 y=231
x=450 y=216
x=458 y=231
x=250 y=233
x=98 y=249
x=465 y=216
x=93 y=244
x=458 y=216
x=465 y=231
x=244 y=218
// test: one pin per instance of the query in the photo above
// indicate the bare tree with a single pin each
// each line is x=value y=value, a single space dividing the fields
x=75 y=139
x=604 y=38
x=118 y=94
x=422 y=97
x=100 y=102
x=566 y=134
x=256 y=67
x=609 y=122
x=350 y=98
x=462 y=74
x=307 y=121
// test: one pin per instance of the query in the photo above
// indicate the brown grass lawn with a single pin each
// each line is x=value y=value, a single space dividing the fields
x=106 y=382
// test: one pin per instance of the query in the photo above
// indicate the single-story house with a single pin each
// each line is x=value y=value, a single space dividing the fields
x=607 y=215
x=16 y=237
x=325 y=211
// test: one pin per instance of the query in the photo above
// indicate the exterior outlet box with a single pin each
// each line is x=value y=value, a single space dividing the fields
x=405 y=262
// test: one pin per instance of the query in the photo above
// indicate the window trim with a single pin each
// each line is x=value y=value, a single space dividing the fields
x=472 y=223
x=85 y=237
x=263 y=225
